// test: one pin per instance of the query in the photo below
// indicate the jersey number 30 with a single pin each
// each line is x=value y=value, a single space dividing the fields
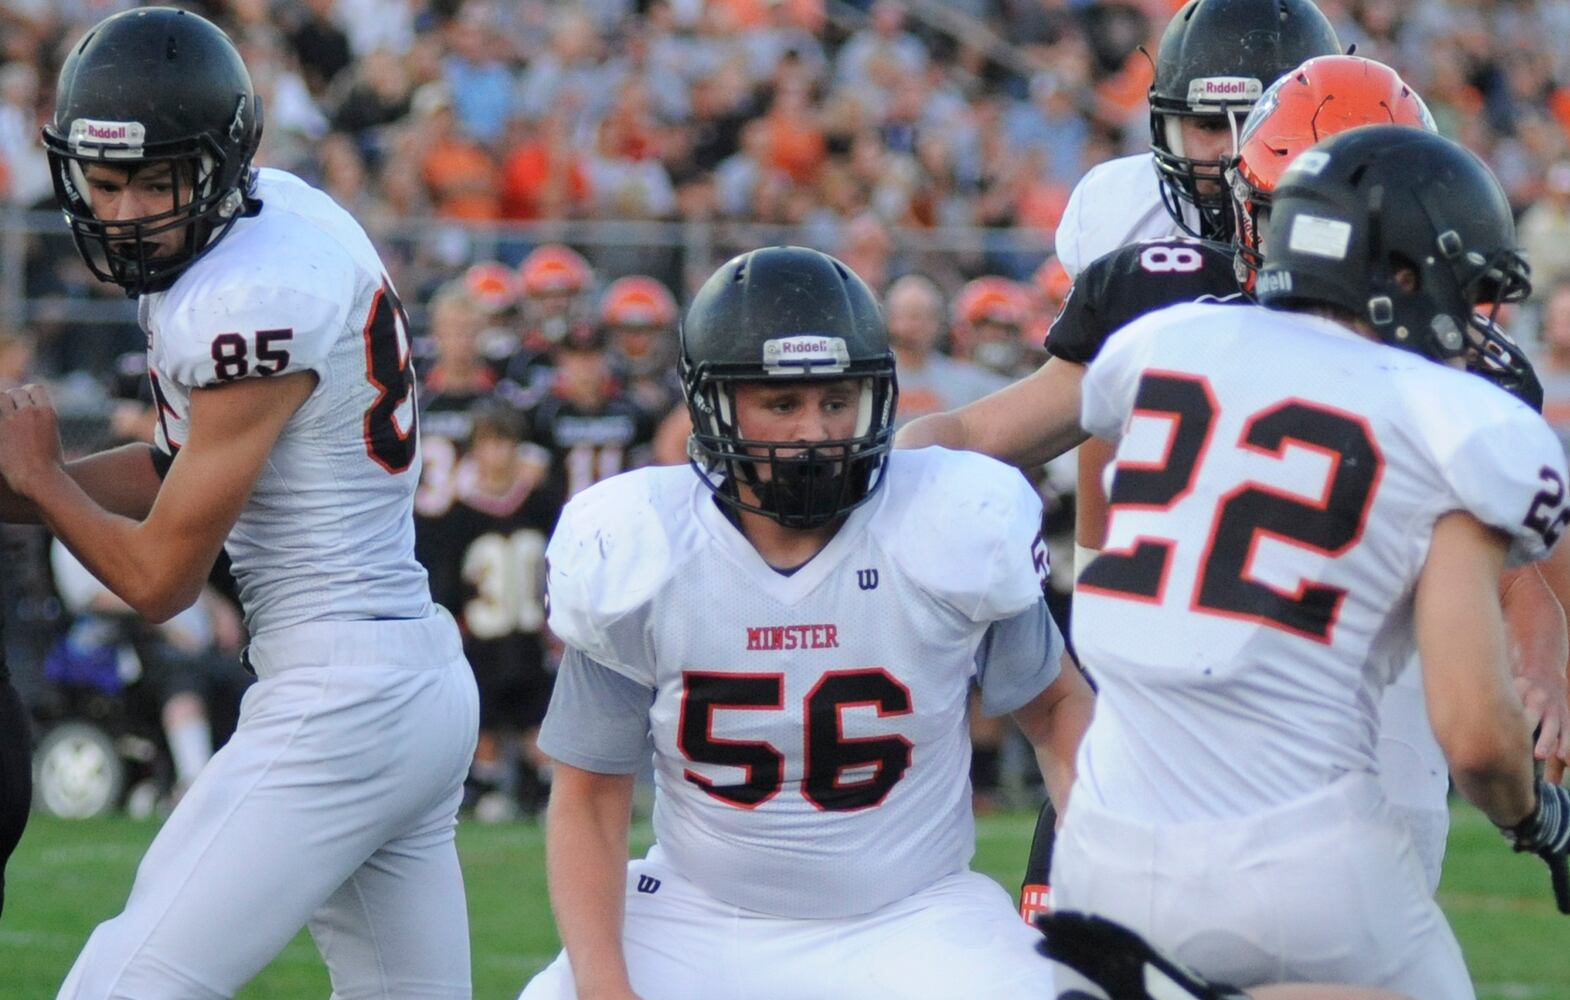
x=1330 y=524
x=843 y=773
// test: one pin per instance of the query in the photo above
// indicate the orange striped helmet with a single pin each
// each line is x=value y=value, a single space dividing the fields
x=1320 y=98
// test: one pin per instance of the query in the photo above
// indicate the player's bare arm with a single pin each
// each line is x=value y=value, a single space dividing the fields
x=158 y=565
x=1539 y=649
x=1476 y=715
x=122 y=480
x=1026 y=424
x=1053 y=722
x=1555 y=571
x=586 y=859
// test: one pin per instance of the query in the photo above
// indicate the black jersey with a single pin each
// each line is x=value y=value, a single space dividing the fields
x=486 y=559
x=587 y=447
x=445 y=426
x=1118 y=288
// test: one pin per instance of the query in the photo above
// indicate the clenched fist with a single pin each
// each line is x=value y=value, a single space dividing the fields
x=29 y=438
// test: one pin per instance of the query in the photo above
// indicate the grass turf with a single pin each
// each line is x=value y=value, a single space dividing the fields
x=67 y=876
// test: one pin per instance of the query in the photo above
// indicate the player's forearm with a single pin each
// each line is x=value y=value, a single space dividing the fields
x=1054 y=724
x=122 y=480
x=586 y=863
x=158 y=577
x=944 y=430
x=1476 y=716
x=1024 y=424
x=1539 y=648
x=1535 y=623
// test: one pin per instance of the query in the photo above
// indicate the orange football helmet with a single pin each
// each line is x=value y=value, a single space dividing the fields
x=554 y=268
x=638 y=300
x=1320 y=98
x=994 y=302
x=491 y=284
x=556 y=284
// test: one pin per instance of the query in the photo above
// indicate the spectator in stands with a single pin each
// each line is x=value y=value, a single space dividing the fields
x=320 y=45
x=375 y=92
x=569 y=75
x=877 y=57
x=480 y=84
x=1553 y=358
x=1545 y=228
x=929 y=381
x=27 y=169
x=459 y=174
x=543 y=177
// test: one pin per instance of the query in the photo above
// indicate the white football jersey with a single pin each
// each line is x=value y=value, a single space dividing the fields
x=1116 y=203
x=810 y=743
x=328 y=532
x=1276 y=484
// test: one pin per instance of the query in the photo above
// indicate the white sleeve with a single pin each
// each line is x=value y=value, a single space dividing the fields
x=972 y=535
x=1019 y=657
x=1106 y=394
x=1511 y=476
x=247 y=331
x=1066 y=242
x=606 y=559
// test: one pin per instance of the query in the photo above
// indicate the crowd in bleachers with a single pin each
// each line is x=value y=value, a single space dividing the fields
x=471 y=137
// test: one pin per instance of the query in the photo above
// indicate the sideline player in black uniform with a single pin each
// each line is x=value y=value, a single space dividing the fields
x=587 y=420
x=486 y=558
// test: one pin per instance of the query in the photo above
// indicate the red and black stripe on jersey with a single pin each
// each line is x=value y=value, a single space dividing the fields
x=1136 y=279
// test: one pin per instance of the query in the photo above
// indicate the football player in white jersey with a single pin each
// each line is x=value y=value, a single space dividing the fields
x=279 y=359
x=1215 y=59
x=792 y=632
x=1301 y=494
x=1027 y=421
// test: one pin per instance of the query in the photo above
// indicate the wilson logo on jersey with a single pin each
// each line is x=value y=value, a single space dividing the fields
x=776 y=637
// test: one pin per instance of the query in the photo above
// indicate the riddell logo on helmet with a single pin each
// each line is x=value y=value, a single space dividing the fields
x=804 y=346
x=1224 y=90
x=805 y=354
x=123 y=136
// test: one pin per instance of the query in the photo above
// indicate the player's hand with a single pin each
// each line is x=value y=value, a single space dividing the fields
x=1120 y=962
x=1546 y=698
x=29 y=438
x=1546 y=833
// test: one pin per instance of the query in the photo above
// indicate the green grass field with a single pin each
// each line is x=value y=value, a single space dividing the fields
x=68 y=876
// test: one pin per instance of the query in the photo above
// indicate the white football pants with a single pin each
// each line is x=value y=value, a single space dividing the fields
x=333 y=806
x=1412 y=769
x=1325 y=889
x=958 y=939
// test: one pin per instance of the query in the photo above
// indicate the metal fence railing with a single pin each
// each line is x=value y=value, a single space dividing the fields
x=42 y=283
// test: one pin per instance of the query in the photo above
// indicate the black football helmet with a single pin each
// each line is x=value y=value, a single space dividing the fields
x=787 y=314
x=1405 y=230
x=1215 y=60
x=143 y=87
